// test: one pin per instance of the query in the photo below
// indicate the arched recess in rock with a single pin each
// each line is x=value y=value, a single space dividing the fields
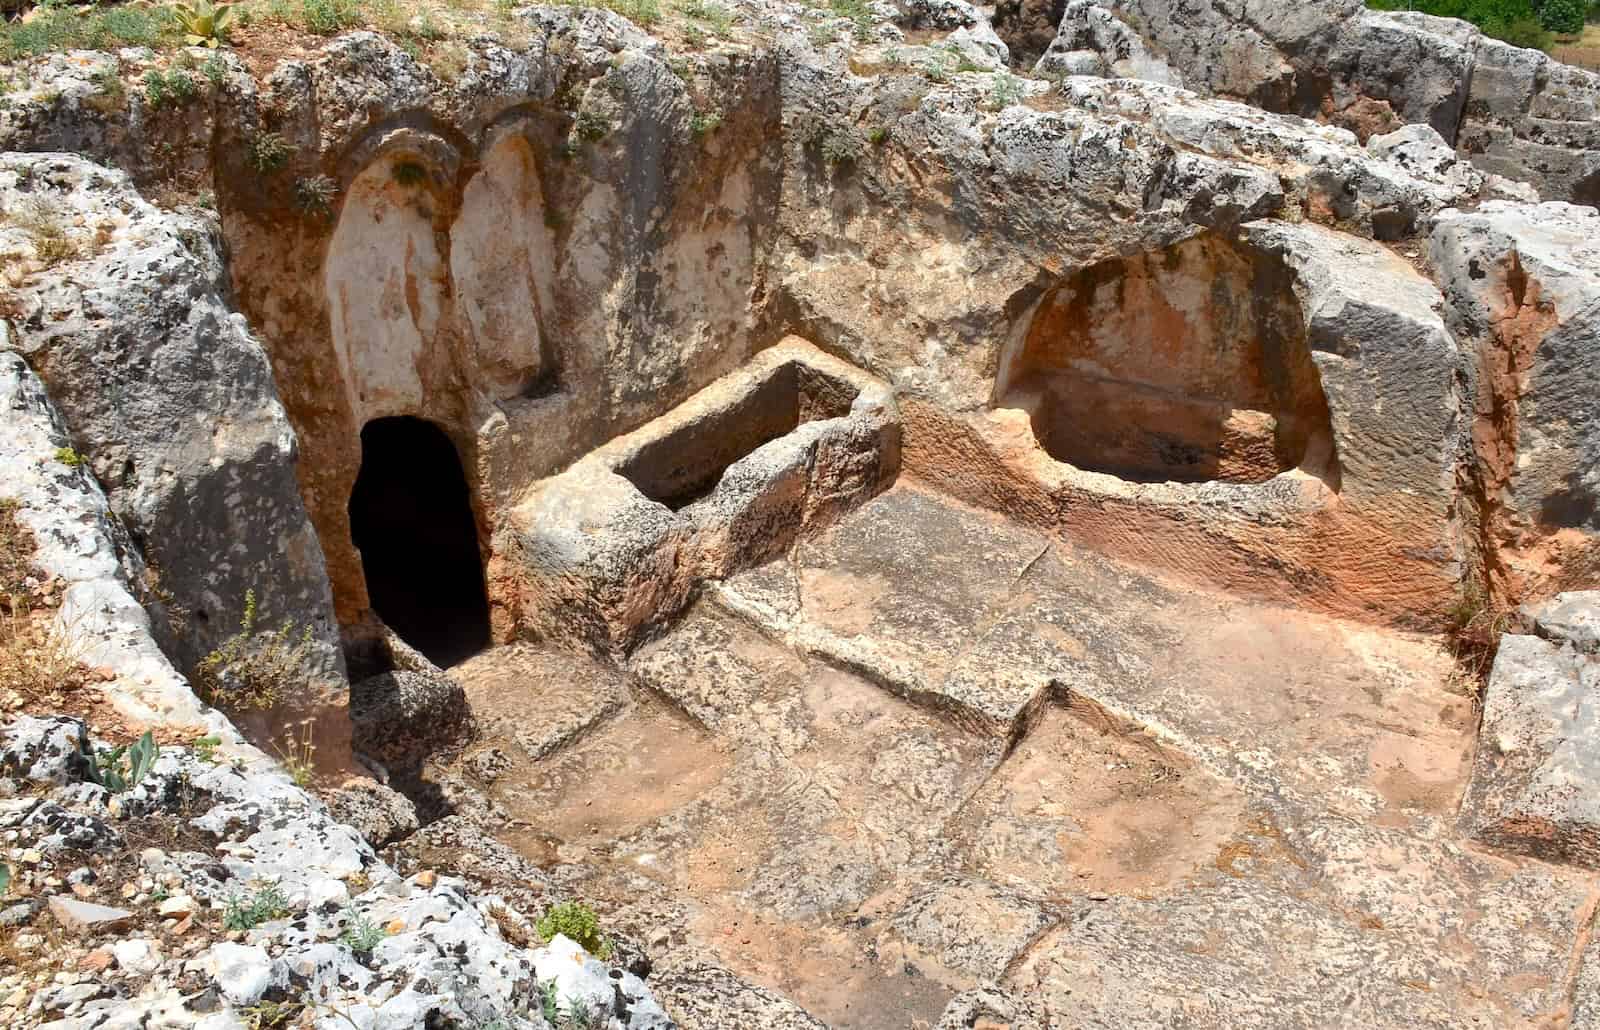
x=411 y=519
x=1187 y=364
x=386 y=287
x=501 y=262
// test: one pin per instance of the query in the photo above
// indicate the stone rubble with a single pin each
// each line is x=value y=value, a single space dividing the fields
x=435 y=951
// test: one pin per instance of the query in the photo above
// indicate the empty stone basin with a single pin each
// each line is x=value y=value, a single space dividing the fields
x=730 y=478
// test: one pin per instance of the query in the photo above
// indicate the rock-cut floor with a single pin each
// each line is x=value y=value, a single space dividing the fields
x=929 y=751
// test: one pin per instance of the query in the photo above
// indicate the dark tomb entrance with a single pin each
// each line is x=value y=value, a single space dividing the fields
x=411 y=518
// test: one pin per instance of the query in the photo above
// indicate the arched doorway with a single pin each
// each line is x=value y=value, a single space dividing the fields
x=411 y=519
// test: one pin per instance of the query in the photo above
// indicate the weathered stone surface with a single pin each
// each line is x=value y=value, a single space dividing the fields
x=172 y=404
x=379 y=814
x=441 y=956
x=1570 y=618
x=971 y=925
x=710 y=996
x=1522 y=284
x=399 y=718
x=1374 y=330
x=1512 y=111
x=1536 y=781
x=44 y=750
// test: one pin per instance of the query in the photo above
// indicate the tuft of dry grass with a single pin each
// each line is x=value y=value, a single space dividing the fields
x=40 y=660
x=46 y=230
x=1477 y=621
x=512 y=926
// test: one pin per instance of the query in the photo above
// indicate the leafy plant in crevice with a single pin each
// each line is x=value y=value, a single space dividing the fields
x=841 y=148
x=314 y=195
x=246 y=913
x=215 y=70
x=1005 y=91
x=549 y=1002
x=578 y=923
x=5 y=878
x=361 y=935
x=591 y=126
x=163 y=89
x=254 y=668
x=205 y=748
x=268 y=152
x=68 y=457
x=120 y=769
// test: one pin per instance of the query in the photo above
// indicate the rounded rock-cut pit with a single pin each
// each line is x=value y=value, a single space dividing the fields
x=1184 y=365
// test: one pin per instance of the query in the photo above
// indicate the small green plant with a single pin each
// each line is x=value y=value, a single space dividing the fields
x=205 y=748
x=5 y=878
x=269 y=152
x=69 y=457
x=253 y=669
x=327 y=17
x=271 y=1015
x=409 y=174
x=878 y=135
x=860 y=16
x=315 y=194
x=579 y=1016
x=841 y=148
x=247 y=913
x=204 y=23
x=718 y=17
x=592 y=126
x=215 y=70
x=121 y=768
x=108 y=83
x=578 y=923
x=361 y=935
x=549 y=1002
x=705 y=121
x=169 y=88
x=822 y=34
x=1005 y=91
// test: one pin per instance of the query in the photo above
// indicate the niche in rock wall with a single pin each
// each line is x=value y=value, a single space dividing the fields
x=1187 y=364
x=411 y=518
x=500 y=259
x=386 y=286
